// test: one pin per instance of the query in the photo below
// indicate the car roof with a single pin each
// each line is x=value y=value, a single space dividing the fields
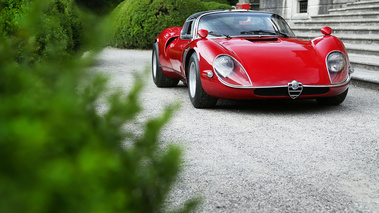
x=196 y=15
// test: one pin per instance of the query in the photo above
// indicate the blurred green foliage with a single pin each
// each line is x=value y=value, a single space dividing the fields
x=58 y=24
x=57 y=153
x=136 y=23
x=11 y=12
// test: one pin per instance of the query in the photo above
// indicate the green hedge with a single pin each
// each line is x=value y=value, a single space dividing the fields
x=217 y=1
x=57 y=153
x=100 y=7
x=136 y=23
x=11 y=12
x=58 y=28
x=229 y=2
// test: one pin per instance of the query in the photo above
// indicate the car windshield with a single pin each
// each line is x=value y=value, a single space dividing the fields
x=244 y=24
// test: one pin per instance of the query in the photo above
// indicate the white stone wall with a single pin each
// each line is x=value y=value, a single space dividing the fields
x=289 y=9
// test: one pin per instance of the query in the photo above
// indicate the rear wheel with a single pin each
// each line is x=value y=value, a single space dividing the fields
x=335 y=100
x=199 y=98
x=159 y=78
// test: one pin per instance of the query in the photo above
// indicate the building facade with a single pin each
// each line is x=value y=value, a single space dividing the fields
x=296 y=9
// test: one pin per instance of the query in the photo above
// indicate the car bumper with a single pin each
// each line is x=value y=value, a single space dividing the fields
x=219 y=90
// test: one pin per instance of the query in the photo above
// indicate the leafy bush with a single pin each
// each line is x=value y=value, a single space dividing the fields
x=100 y=7
x=11 y=12
x=59 y=23
x=215 y=5
x=229 y=2
x=217 y=1
x=137 y=23
x=57 y=153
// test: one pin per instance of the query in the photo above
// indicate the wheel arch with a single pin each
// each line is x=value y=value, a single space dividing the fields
x=156 y=46
x=187 y=59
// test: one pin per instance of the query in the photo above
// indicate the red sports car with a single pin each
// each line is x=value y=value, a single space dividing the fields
x=241 y=54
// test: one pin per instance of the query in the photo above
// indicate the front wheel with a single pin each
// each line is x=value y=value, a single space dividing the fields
x=335 y=100
x=199 y=98
x=159 y=78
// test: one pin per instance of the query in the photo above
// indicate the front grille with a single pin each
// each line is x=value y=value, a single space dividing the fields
x=283 y=91
x=278 y=91
x=315 y=90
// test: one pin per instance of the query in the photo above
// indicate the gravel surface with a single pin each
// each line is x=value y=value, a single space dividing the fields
x=264 y=156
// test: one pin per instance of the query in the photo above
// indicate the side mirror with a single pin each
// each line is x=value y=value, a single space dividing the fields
x=326 y=30
x=203 y=33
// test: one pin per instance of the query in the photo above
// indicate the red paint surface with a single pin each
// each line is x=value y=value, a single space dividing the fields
x=268 y=63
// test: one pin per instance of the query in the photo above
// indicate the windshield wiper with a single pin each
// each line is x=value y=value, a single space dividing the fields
x=214 y=34
x=219 y=35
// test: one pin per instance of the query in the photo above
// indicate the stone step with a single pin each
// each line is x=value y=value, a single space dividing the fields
x=356 y=39
x=357 y=30
x=363 y=3
x=362 y=15
x=361 y=49
x=345 y=38
x=355 y=9
x=364 y=62
x=339 y=23
x=365 y=78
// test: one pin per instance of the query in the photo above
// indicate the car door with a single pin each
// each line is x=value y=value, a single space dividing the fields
x=177 y=47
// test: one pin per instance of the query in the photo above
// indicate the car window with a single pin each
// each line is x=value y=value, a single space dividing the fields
x=187 y=30
x=282 y=25
x=240 y=24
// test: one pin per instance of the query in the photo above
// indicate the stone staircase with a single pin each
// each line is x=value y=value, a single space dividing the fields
x=357 y=25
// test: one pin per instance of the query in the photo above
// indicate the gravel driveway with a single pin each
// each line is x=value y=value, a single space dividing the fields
x=265 y=156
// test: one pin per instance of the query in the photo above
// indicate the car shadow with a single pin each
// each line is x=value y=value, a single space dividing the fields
x=278 y=106
x=281 y=106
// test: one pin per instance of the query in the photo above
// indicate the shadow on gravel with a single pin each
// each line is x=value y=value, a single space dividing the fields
x=277 y=106
x=282 y=106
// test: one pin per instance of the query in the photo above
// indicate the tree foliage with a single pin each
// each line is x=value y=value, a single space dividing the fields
x=100 y=7
x=11 y=12
x=137 y=23
x=57 y=153
x=59 y=23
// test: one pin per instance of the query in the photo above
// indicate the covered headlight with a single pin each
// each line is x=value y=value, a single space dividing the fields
x=230 y=72
x=336 y=62
x=224 y=65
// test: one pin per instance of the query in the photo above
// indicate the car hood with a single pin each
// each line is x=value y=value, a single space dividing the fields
x=272 y=61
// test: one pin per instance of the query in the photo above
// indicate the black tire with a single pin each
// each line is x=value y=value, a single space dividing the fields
x=335 y=100
x=159 y=78
x=199 y=98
